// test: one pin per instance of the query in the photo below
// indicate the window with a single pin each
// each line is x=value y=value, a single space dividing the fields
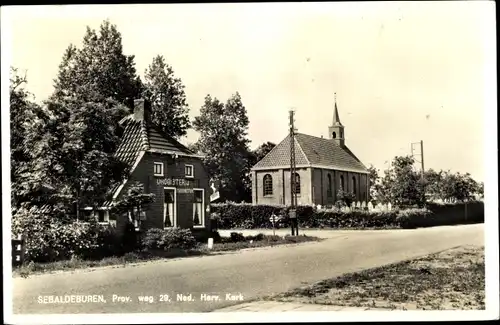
x=169 y=209
x=268 y=185
x=297 y=183
x=342 y=183
x=102 y=216
x=354 y=185
x=334 y=135
x=189 y=171
x=329 y=188
x=198 y=211
x=158 y=169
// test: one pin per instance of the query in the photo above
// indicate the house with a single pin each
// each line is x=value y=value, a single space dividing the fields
x=323 y=166
x=166 y=168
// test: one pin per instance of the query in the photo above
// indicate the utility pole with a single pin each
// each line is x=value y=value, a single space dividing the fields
x=421 y=142
x=293 y=192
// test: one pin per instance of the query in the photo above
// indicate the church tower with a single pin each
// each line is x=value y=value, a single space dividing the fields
x=336 y=130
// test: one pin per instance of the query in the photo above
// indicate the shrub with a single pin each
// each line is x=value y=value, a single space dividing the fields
x=237 y=237
x=51 y=238
x=257 y=237
x=172 y=238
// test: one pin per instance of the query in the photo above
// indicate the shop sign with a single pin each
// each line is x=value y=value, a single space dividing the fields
x=177 y=182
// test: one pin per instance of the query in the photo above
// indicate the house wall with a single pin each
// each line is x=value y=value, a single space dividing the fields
x=144 y=173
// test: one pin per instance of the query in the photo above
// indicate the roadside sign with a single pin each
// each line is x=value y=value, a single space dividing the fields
x=293 y=214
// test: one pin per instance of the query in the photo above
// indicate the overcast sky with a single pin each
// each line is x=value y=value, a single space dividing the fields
x=403 y=72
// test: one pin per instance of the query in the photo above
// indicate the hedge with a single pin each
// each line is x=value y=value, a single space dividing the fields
x=248 y=216
x=51 y=238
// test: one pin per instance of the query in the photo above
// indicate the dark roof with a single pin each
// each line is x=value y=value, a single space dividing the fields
x=312 y=151
x=139 y=135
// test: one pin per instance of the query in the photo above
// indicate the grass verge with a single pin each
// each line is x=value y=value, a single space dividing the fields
x=449 y=280
x=144 y=256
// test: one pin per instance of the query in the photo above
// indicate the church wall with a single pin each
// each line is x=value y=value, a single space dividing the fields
x=281 y=187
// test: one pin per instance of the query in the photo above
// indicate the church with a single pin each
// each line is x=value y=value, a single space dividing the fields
x=323 y=166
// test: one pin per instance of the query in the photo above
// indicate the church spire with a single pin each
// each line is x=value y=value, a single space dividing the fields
x=336 y=118
x=336 y=130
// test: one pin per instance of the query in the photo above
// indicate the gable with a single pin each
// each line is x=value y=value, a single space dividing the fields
x=280 y=155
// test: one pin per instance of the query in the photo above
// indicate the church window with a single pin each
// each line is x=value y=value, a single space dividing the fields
x=297 y=183
x=268 y=185
x=354 y=185
x=342 y=182
x=334 y=135
x=329 y=188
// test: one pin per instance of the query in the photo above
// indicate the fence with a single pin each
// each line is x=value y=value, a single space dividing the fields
x=18 y=248
x=363 y=206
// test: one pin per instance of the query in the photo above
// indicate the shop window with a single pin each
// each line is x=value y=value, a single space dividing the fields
x=198 y=211
x=158 y=169
x=169 y=210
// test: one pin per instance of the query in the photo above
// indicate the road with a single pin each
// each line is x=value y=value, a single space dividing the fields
x=248 y=274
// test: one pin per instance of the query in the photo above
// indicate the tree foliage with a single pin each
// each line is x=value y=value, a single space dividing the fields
x=134 y=201
x=223 y=139
x=374 y=179
x=167 y=97
x=73 y=153
x=260 y=152
x=99 y=70
x=344 y=198
x=25 y=115
x=402 y=185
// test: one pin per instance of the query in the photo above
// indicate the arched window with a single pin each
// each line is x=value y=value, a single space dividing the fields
x=297 y=183
x=329 y=188
x=268 y=185
x=342 y=182
x=354 y=185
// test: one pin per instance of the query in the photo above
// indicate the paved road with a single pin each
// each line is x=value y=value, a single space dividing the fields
x=251 y=273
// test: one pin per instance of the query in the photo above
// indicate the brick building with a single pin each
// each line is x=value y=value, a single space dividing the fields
x=166 y=168
x=323 y=166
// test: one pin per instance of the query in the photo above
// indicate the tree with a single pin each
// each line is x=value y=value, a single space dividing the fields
x=99 y=70
x=434 y=184
x=458 y=187
x=402 y=185
x=223 y=130
x=480 y=189
x=134 y=201
x=263 y=150
x=344 y=198
x=74 y=153
x=25 y=114
x=374 y=182
x=167 y=97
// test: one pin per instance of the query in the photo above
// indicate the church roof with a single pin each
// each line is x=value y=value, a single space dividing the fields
x=311 y=151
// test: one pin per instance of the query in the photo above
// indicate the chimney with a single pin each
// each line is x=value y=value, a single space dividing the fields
x=142 y=110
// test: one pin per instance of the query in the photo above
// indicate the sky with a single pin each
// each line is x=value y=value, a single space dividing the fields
x=402 y=71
